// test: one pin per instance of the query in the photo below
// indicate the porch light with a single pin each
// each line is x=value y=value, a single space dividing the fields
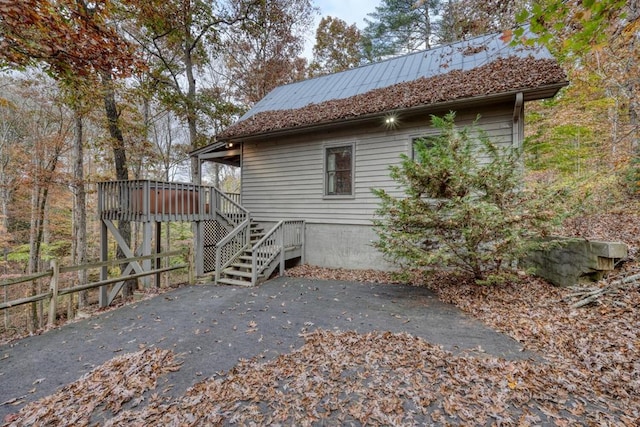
x=230 y=145
x=391 y=121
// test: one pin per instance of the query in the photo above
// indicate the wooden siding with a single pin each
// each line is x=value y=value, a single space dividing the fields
x=283 y=179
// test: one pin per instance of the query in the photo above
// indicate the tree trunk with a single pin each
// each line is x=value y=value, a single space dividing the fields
x=34 y=251
x=191 y=109
x=79 y=208
x=120 y=160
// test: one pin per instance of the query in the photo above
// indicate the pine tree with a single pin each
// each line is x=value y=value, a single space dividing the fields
x=458 y=211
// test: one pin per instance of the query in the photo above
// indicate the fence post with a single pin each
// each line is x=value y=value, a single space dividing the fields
x=53 y=287
x=191 y=263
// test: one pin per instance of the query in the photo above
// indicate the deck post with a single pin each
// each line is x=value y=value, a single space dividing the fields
x=282 y=251
x=104 y=270
x=159 y=250
x=146 y=250
x=198 y=243
x=302 y=249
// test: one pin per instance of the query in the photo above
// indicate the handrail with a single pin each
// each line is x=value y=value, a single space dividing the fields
x=233 y=215
x=236 y=243
x=275 y=242
x=277 y=248
x=266 y=236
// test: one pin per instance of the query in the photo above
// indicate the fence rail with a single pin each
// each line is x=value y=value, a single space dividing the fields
x=54 y=273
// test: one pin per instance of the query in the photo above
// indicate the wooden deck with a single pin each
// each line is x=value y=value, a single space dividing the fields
x=222 y=227
x=158 y=201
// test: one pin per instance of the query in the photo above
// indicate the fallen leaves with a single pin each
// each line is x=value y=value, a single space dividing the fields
x=500 y=76
x=596 y=346
x=108 y=387
x=380 y=378
x=588 y=373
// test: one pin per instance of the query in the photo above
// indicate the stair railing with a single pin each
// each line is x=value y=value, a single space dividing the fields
x=229 y=208
x=265 y=250
x=285 y=234
x=232 y=246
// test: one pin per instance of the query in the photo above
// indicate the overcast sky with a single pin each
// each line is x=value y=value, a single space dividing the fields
x=350 y=11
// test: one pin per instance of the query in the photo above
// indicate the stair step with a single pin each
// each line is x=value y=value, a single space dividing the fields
x=245 y=257
x=233 y=282
x=237 y=273
x=241 y=265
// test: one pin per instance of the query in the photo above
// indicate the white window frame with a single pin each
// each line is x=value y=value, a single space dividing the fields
x=325 y=171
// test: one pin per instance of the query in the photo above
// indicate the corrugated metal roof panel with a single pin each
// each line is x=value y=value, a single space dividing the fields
x=465 y=56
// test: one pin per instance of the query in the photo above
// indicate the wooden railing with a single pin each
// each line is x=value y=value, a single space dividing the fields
x=56 y=270
x=228 y=207
x=147 y=200
x=283 y=236
x=232 y=246
x=234 y=196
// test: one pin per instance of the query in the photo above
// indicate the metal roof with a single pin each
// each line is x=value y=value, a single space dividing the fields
x=464 y=56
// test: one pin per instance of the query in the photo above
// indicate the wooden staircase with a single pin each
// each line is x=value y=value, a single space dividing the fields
x=239 y=273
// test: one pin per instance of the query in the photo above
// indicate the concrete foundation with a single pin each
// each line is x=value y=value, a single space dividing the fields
x=343 y=246
x=569 y=260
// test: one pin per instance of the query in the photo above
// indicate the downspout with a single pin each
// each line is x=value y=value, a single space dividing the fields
x=518 y=121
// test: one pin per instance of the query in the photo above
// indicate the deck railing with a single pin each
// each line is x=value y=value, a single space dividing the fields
x=148 y=200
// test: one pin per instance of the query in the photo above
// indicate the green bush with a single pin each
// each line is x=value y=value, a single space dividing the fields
x=465 y=206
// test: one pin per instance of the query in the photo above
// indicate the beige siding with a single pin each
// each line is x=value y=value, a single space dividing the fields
x=283 y=179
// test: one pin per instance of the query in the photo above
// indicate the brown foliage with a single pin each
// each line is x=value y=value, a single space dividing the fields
x=72 y=37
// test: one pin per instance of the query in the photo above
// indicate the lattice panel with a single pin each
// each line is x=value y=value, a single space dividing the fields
x=213 y=233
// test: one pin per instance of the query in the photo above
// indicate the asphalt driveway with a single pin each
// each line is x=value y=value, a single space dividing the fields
x=213 y=326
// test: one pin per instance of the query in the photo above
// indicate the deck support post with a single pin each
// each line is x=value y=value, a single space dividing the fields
x=104 y=270
x=158 y=250
x=146 y=250
x=198 y=237
x=282 y=251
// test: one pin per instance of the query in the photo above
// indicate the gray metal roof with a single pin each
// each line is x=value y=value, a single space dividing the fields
x=463 y=56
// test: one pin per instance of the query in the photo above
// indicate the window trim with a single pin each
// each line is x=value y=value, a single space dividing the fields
x=325 y=183
x=412 y=142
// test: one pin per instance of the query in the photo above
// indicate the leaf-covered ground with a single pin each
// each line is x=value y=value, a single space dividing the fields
x=346 y=378
x=124 y=379
x=588 y=372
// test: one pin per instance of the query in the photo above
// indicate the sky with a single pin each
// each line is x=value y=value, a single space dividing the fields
x=350 y=11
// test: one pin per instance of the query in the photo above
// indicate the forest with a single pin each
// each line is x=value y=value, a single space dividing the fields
x=119 y=89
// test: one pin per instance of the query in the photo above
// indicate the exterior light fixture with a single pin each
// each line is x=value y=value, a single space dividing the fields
x=391 y=121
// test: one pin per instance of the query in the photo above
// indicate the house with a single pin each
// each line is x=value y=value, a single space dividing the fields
x=312 y=151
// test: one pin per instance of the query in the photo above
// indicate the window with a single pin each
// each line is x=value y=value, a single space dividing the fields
x=428 y=141
x=339 y=171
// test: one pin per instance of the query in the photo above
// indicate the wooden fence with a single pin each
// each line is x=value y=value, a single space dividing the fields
x=56 y=270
